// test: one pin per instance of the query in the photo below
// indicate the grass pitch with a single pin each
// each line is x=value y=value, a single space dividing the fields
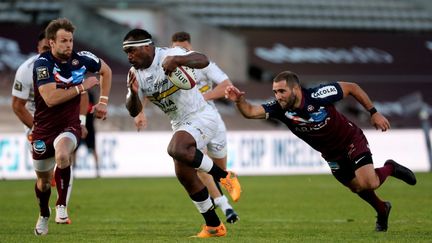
x=312 y=208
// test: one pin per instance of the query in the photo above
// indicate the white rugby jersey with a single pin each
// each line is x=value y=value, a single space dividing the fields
x=23 y=83
x=178 y=104
x=207 y=76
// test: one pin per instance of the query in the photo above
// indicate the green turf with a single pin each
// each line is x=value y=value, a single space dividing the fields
x=314 y=208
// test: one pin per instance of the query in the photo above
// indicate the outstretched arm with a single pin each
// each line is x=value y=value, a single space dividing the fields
x=377 y=119
x=246 y=109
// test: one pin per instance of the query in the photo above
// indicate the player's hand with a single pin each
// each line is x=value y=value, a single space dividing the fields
x=90 y=82
x=169 y=64
x=100 y=111
x=84 y=131
x=140 y=121
x=132 y=82
x=234 y=94
x=380 y=122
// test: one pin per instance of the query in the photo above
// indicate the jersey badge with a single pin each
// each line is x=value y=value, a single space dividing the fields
x=75 y=62
x=18 y=85
x=42 y=73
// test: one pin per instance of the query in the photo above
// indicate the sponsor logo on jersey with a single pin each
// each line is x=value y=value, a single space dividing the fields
x=324 y=92
x=75 y=62
x=18 y=85
x=42 y=73
x=89 y=55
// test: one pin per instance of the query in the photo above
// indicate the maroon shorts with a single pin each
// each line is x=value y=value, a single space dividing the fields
x=357 y=154
x=43 y=144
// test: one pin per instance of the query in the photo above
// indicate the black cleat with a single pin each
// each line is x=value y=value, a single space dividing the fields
x=382 y=219
x=231 y=216
x=402 y=173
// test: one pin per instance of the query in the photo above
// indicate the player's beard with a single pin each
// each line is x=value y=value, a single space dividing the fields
x=288 y=103
x=65 y=55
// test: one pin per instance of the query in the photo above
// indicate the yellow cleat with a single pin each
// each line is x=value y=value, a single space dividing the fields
x=232 y=185
x=209 y=231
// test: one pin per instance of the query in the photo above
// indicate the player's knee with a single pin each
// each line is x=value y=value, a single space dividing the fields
x=44 y=184
x=181 y=153
x=62 y=159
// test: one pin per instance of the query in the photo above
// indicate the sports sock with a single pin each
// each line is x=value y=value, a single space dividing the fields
x=205 y=206
x=370 y=197
x=384 y=172
x=204 y=163
x=43 y=199
x=62 y=177
x=69 y=191
x=222 y=202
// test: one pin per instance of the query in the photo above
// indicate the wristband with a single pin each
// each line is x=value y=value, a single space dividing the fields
x=83 y=119
x=83 y=89
x=77 y=90
x=104 y=97
x=372 y=111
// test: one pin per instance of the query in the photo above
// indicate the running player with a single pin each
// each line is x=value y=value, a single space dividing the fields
x=58 y=77
x=23 y=98
x=205 y=78
x=311 y=116
x=193 y=121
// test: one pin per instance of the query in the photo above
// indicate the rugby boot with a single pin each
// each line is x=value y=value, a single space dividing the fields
x=208 y=231
x=402 y=173
x=232 y=185
x=382 y=219
x=231 y=216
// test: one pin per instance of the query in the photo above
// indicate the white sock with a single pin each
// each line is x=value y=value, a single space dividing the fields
x=69 y=187
x=222 y=202
x=206 y=164
x=203 y=206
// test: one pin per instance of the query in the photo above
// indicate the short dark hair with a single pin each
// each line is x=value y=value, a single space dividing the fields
x=290 y=77
x=137 y=34
x=181 y=36
x=41 y=36
x=55 y=25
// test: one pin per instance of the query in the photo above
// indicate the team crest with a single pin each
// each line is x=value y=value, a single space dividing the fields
x=75 y=62
x=42 y=73
x=310 y=108
x=18 y=85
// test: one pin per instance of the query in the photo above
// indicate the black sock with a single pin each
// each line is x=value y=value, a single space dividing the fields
x=43 y=199
x=210 y=216
x=215 y=171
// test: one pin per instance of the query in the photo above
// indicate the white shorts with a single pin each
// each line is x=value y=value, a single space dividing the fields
x=217 y=147
x=49 y=163
x=204 y=128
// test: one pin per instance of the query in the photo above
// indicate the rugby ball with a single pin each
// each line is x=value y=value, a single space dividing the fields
x=183 y=77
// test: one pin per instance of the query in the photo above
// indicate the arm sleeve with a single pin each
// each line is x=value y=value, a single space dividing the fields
x=214 y=73
x=326 y=94
x=92 y=62
x=23 y=81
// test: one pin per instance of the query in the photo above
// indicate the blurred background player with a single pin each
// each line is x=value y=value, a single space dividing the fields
x=193 y=120
x=205 y=78
x=310 y=115
x=23 y=103
x=58 y=77
x=90 y=139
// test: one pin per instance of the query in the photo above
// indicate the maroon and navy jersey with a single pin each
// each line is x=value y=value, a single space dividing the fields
x=66 y=75
x=317 y=122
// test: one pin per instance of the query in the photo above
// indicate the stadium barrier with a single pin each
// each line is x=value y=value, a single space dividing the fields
x=130 y=154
